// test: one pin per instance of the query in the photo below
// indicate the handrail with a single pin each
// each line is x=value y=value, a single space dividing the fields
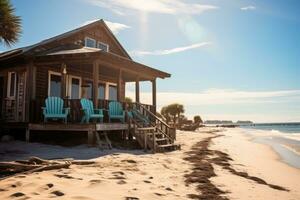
x=161 y=122
x=153 y=115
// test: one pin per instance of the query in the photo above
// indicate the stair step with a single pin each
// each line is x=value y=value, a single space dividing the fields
x=165 y=145
x=146 y=129
x=160 y=139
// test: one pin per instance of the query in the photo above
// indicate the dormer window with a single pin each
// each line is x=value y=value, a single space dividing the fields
x=103 y=46
x=89 y=42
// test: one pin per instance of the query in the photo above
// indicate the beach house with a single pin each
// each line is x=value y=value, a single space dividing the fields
x=87 y=62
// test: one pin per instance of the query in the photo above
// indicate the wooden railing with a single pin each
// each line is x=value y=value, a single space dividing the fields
x=162 y=127
x=9 y=110
x=36 y=113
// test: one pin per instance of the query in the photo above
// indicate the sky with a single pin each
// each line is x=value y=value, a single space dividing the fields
x=229 y=59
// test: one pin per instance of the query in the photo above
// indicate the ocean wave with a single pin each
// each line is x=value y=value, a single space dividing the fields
x=273 y=132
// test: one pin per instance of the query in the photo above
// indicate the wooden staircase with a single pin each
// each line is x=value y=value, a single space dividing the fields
x=151 y=132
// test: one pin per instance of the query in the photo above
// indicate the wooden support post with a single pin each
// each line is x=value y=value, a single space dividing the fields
x=145 y=140
x=119 y=86
x=90 y=137
x=95 y=83
x=154 y=95
x=27 y=135
x=154 y=141
x=137 y=90
x=63 y=80
x=30 y=86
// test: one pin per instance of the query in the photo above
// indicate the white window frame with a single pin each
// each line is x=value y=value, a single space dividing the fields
x=102 y=44
x=9 y=84
x=49 y=79
x=69 y=87
x=107 y=89
x=88 y=38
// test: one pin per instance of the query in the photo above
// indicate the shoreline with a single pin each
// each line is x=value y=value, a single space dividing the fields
x=286 y=148
x=256 y=159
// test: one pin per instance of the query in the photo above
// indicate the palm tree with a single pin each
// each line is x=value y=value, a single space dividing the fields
x=10 y=24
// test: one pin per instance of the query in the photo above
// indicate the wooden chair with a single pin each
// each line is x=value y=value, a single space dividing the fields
x=90 y=112
x=115 y=111
x=54 y=109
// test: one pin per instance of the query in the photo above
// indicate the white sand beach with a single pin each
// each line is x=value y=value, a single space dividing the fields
x=138 y=175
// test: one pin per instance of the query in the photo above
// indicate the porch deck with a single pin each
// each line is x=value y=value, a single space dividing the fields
x=91 y=129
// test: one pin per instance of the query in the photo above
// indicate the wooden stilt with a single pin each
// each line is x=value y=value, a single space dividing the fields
x=90 y=137
x=99 y=142
x=107 y=140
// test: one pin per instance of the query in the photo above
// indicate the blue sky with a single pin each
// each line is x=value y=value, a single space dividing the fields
x=229 y=59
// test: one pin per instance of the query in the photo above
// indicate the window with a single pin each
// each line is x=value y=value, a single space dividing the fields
x=89 y=42
x=89 y=90
x=74 y=87
x=11 y=84
x=101 y=91
x=113 y=93
x=54 y=84
x=103 y=46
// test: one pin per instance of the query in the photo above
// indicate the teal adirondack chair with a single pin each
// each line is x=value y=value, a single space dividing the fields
x=115 y=111
x=90 y=112
x=54 y=109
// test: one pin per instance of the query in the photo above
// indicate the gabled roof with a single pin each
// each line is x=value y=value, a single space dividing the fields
x=29 y=49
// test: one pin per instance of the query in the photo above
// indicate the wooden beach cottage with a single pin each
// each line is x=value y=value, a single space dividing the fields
x=86 y=62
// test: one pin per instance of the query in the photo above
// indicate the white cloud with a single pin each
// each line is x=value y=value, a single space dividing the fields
x=170 y=51
x=219 y=97
x=153 y=6
x=113 y=26
x=248 y=8
x=246 y=105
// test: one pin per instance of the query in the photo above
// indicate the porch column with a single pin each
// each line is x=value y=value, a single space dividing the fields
x=63 y=81
x=30 y=87
x=137 y=90
x=95 y=83
x=154 y=95
x=119 y=86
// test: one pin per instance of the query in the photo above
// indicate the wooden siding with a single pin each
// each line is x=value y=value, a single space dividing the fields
x=97 y=32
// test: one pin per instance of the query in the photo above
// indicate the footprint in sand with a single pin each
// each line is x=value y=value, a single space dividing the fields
x=131 y=198
x=94 y=181
x=147 y=181
x=121 y=182
x=159 y=194
x=129 y=161
x=119 y=173
x=17 y=194
x=81 y=198
x=58 y=193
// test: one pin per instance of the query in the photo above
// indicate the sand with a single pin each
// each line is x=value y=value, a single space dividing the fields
x=138 y=175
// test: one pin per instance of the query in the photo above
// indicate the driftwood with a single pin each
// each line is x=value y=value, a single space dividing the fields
x=35 y=164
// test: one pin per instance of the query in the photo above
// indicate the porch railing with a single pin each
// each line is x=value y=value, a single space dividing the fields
x=36 y=113
x=9 y=108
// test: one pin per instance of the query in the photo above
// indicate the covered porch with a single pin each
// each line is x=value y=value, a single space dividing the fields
x=82 y=73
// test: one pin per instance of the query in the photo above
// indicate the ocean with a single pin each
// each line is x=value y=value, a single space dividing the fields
x=284 y=138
